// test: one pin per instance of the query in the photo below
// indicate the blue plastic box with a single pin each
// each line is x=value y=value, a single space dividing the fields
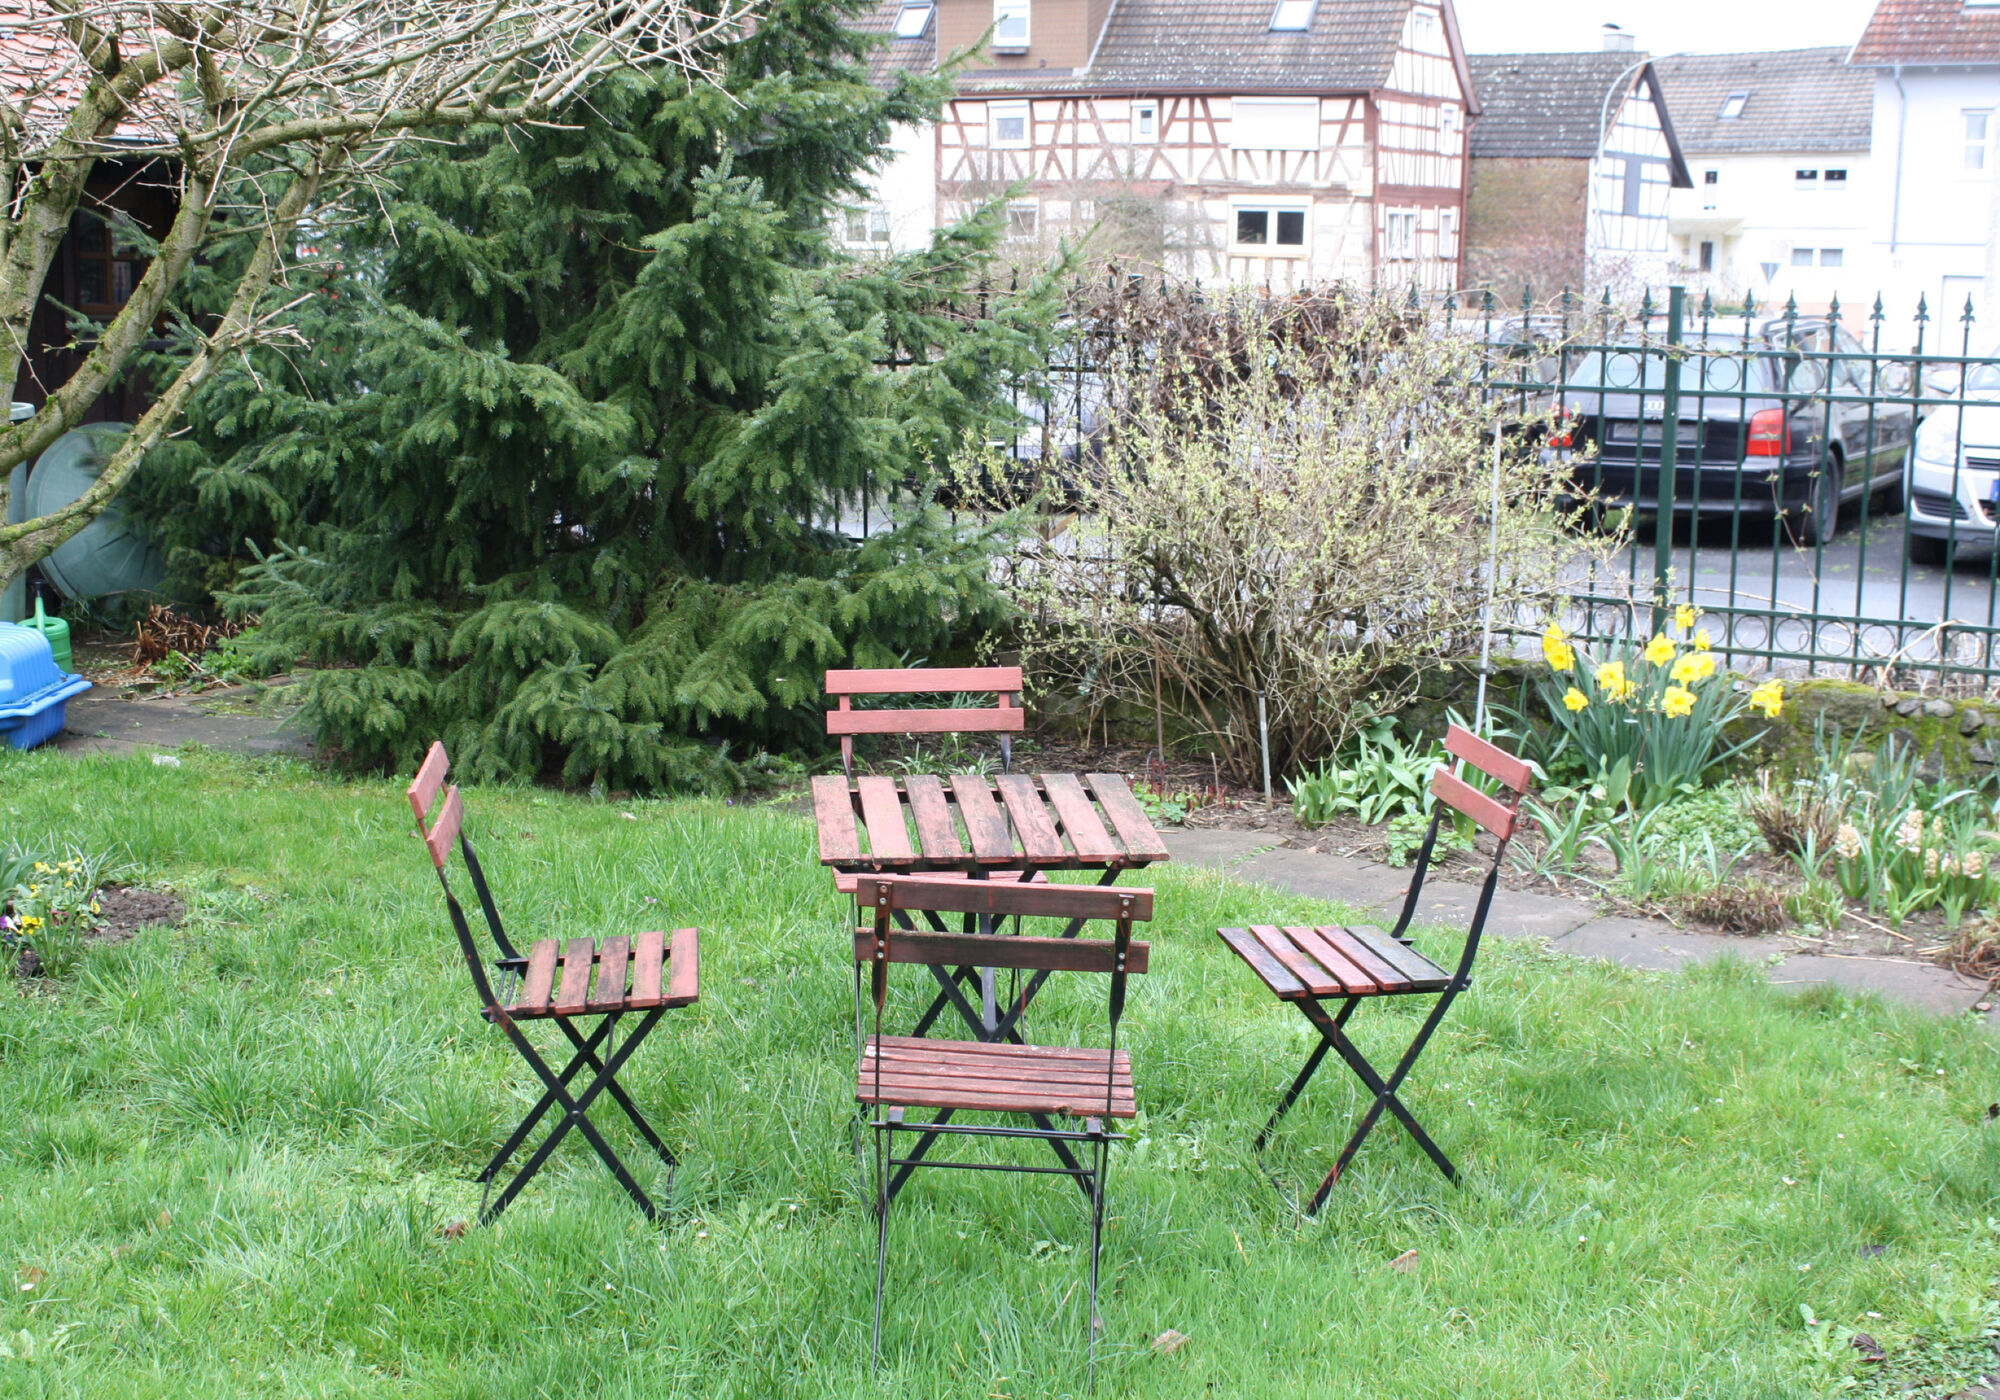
x=33 y=693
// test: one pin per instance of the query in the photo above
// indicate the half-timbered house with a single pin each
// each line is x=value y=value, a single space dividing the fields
x=1571 y=163
x=1279 y=142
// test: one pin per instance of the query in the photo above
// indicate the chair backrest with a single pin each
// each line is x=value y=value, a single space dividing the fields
x=881 y=943
x=440 y=832
x=1005 y=718
x=1495 y=814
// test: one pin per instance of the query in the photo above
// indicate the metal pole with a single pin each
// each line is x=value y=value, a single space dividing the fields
x=1670 y=416
x=1264 y=735
x=1492 y=584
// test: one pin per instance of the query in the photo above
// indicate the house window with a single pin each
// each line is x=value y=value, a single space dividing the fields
x=1635 y=184
x=1834 y=177
x=1292 y=14
x=107 y=259
x=1732 y=106
x=1400 y=235
x=1805 y=179
x=1802 y=257
x=1448 y=233
x=1010 y=25
x=1447 y=121
x=1145 y=121
x=913 y=20
x=1830 y=257
x=1024 y=217
x=1710 y=177
x=1274 y=124
x=1978 y=137
x=1271 y=229
x=1010 y=125
x=1707 y=257
x=867 y=225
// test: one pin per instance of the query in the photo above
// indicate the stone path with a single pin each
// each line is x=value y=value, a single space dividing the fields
x=1569 y=925
x=101 y=721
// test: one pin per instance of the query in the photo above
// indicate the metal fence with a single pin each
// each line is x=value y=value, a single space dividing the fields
x=1823 y=488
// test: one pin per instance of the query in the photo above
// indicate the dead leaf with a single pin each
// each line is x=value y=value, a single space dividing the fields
x=1992 y=1111
x=31 y=1276
x=1169 y=1342
x=1405 y=1263
x=1870 y=1349
x=163 y=1219
x=454 y=1231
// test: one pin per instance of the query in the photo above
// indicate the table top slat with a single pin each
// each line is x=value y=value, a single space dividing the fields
x=1087 y=836
x=1134 y=827
x=937 y=833
x=1031 y=817
x=833 y=815
x=882 y=814
x=985 y=824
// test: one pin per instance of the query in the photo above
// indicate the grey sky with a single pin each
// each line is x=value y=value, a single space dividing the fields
x=1677 y=26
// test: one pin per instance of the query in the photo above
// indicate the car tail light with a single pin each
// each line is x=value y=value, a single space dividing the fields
x=1562 y=433
x=1770 y=434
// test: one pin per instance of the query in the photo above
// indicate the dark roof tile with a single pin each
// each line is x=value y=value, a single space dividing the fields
x=1928 y=31
x=1798 y=100
x=1544 y=104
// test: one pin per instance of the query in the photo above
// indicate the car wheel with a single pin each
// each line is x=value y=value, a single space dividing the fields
x=1922 y=549
x=1815 y=524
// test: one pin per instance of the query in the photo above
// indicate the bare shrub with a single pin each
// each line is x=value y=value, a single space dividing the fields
x=1794 y=819
x=1750 y=907
x=1295 y=499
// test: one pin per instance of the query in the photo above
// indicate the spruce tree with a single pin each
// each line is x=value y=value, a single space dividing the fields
x=606 y=384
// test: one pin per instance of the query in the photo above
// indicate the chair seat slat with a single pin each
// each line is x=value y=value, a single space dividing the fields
x=684 y=980
x=611 y=963
x=649 y=951
x=1315 y=978
x=574 y=988
x=1001 y=1078
x=541 y=978
x=1386 y=974
x=1405 y=959
x=1353 y=980
x=1274 y=973
x=1490 y=759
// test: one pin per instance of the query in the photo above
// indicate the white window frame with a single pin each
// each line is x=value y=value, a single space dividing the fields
x=1447 y=233
x=998 y=111
x=1805 y=179
x=1271 y=208
x=913 y=19
x=1839 y=257
x=1004 y=11
x=874 y=224
x=1978 y=157
x=1396 y=249
x=1145 y=114
x=1033 y=209
x=1732 y=107
x=1802 y=257
x=1293 y=16
x=1261 y=112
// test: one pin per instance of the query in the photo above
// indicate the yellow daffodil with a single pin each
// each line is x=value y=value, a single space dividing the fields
x=1768 y=699
x=1612 y=681
x=1575 y=700
x=1677 y=701
x=1684 y=617
x=1659 y=651
x=1695 y=666
x=1700 y=640
x=1555 y=646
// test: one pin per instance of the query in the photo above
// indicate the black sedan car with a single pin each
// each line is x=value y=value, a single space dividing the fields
x=1795 y=422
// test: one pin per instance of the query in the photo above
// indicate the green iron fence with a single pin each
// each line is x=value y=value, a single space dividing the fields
x=1823 y=488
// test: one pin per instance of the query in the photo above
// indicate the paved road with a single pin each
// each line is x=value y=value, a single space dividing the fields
x=1860 y=585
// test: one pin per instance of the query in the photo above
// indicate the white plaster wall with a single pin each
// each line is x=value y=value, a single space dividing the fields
x=906 y=187
x=1758 y=212
x=1933 y=224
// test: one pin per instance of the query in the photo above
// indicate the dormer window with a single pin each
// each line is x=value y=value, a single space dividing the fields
x=1010 y=25
x=913 y=20
x=1732 y=106
x=1292 y=15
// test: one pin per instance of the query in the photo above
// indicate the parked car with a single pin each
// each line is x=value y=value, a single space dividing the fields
x=1775 y=423
x=1954 y=477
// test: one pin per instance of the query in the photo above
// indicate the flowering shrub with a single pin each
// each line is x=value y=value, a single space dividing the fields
x=1936 y=859
x=46 y=905
x=1647 y=724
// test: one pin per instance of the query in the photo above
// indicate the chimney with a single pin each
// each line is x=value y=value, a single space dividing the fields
x=1616 y=40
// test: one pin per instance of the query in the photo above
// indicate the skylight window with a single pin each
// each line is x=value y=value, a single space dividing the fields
x=1732 y=106
x=913 y=21
x=1293 y=15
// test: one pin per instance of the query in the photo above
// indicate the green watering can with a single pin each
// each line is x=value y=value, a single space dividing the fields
x=56 y=630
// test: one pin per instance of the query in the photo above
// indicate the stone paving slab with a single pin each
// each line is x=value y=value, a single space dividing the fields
x=1934 y=988
x=1647 y=943
x=101 y=722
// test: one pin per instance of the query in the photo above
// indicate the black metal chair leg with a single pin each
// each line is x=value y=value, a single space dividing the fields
x=586 y=1053
x=1102 y=1163
x=1386 y=1095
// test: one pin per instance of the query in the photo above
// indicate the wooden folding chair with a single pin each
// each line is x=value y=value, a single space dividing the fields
x=1315 y=967
x=643 y=975
x=1006 y=718
x=1041 y=1083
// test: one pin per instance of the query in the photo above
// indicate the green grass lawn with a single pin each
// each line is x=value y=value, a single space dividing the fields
x=229 y=1151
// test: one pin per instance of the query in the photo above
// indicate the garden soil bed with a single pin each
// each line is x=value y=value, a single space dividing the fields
x=125 y=909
